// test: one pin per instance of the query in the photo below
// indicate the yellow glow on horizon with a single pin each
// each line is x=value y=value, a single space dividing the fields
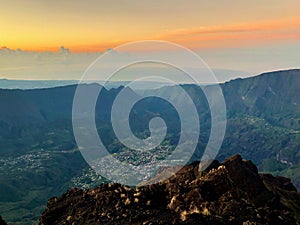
x=94 y=26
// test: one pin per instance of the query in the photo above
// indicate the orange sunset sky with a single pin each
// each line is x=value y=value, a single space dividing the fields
x=230 y=27
x=95 y=25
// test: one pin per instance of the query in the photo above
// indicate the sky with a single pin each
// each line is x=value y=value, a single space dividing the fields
x=245 y=37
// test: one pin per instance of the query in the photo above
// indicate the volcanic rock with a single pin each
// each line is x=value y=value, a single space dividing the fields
x=231 y=192
x=2 y=222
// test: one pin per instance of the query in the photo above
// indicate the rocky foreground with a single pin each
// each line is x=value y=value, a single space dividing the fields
x=231 y=192
x=2 y=222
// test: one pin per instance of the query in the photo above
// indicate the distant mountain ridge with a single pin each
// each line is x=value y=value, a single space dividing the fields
x=33 y=84
x=271 y=94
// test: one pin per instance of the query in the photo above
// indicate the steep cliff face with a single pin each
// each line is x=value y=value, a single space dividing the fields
x=231 y=192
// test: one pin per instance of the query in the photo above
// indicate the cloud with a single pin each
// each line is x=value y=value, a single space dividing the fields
x=267 y=46
x=219 y=36
x=62 y=64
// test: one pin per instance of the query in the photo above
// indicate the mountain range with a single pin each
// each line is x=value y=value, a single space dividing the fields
x=39 y=157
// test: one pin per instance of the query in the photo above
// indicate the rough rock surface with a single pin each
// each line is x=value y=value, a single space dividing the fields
x=2 y=222
x=231 y=192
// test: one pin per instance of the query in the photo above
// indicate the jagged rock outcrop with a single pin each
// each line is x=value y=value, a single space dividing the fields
x=2 y=222
x=231 y=192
